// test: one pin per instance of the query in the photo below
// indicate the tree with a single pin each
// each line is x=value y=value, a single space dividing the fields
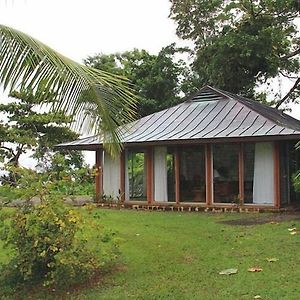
x=26 y=128
x=239 y=44
x=157 y=78
x=27 y=64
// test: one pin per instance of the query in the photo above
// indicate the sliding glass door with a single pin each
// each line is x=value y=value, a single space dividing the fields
x=136 y=175
x=226 y=173
x=192 y=174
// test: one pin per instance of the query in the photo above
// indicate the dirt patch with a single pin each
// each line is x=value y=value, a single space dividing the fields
x=263 y=219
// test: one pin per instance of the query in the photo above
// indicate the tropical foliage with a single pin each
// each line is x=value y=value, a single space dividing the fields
x=25 y=126
x=241 y=44
x=46 y=240
x=99 y=99
x=47 y=248
x=158 y=79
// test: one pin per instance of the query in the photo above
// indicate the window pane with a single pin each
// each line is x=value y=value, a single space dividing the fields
x=226 y=173
x=248 y=172
x=192 y=174
x=284 y=173
x=137 y=176
x=171 y=175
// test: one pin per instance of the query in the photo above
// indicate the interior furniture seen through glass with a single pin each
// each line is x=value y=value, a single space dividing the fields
x=192 y=174
x=226 y=173
x=137 y=175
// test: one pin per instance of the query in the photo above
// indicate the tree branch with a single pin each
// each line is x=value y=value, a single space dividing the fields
x=296 y=52
x=289 y=93
x=7 y=149
x=288 y=76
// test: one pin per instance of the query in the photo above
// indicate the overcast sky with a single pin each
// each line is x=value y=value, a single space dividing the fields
x=79 y=28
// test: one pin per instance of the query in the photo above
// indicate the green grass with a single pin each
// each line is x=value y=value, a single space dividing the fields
x=179 y=255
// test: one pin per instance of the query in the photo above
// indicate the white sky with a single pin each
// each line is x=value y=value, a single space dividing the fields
x=78 y=28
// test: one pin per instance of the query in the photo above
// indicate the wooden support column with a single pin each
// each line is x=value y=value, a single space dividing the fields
x=122 y=175
x=150 y=170
x=276 y=158
x=177 y=176
x=99 y=175
x=241 y=174
x=209 y=175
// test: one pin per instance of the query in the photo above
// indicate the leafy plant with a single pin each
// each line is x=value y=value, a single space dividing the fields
x=28 y=125
x=31 y=65
x=47 y=240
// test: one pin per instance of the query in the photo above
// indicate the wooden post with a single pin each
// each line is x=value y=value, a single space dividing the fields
x=99 y=177
x=150 y=169
x=208 y=174
x=276 y=158
x=122 y=176
x=177 y=176
x=241 y=174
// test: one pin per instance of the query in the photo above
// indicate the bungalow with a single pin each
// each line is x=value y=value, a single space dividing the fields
x=216 y=149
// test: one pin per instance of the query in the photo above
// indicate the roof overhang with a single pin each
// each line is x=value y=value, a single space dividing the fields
x=249 y=139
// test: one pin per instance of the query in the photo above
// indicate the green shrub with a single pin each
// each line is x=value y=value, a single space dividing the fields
x=48 y=241
x=76 y=182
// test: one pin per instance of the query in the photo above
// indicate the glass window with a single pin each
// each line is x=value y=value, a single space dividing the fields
x=192 y=174
x=284 y=173
x=294 y=167
x=171 y=175
x=226 y=173
x=137 y=180
x=248 y=172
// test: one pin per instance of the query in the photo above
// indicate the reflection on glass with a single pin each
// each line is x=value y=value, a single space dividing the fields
x=137 y=176
x=171 y=175
x=192 y=174
x=226 y=173
x=249 y=149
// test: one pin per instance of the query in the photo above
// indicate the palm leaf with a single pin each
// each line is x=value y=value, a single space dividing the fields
x=100 y=101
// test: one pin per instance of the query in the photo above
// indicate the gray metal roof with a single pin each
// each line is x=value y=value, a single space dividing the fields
x=211 y=114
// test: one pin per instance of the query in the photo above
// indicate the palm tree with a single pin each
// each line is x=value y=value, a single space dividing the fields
x=99 y=100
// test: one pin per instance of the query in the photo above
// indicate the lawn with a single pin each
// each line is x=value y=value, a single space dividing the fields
x=173 y=255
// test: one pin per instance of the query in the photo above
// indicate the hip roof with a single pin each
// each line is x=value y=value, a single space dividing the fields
x=211 y=114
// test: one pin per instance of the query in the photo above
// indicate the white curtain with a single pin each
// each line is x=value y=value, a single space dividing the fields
x=111 y=176
x=263 y=182
x=160 y=174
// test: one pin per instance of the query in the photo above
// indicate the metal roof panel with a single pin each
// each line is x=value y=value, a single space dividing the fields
x=210 y=114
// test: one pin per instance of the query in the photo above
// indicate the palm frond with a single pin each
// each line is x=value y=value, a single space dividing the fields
x=99 y=100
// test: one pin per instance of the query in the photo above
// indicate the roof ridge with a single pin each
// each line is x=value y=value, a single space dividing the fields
x=205 y=88
x=268 y=109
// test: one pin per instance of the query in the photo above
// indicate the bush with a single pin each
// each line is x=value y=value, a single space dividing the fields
x=49 y=245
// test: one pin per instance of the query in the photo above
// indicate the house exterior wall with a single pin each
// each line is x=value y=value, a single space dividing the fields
x=266 y=182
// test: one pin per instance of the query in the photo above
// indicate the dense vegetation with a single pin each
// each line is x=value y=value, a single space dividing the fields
x=158 y=79
x=45 y=240
x=242 y=44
